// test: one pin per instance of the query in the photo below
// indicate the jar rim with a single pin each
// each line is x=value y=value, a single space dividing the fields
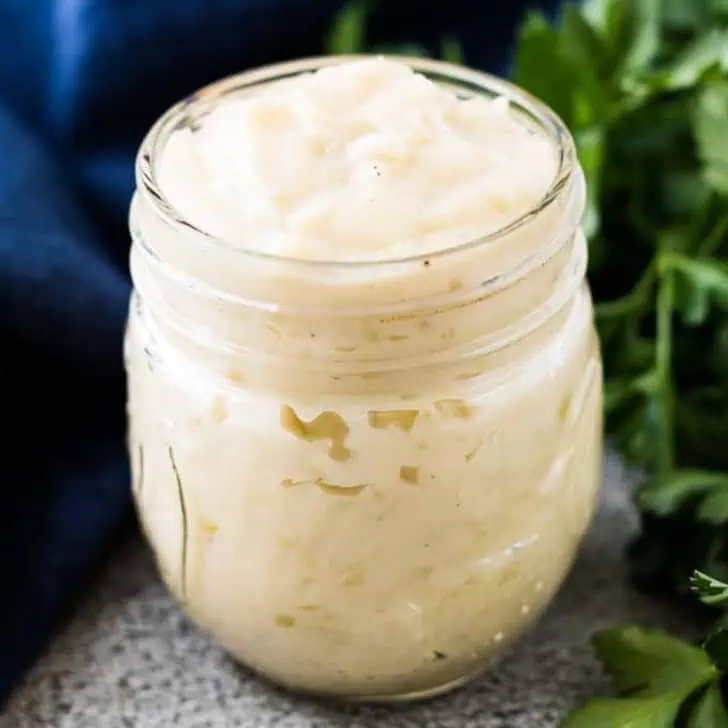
x=439 y=71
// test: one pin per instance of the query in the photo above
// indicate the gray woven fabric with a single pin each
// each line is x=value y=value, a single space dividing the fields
x=130 y=659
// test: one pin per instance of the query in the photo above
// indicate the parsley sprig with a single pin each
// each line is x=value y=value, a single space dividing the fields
x=643 y=85
x=662 y=681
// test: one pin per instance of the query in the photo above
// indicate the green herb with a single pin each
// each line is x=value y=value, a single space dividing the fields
x=709 y=711
x=451 y=51
x=710 y=591
x=347 y=34
x=662 y=682
x=643 y=86
x=185 y=529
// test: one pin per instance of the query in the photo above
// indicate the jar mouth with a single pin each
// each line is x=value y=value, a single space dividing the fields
x=458 y=78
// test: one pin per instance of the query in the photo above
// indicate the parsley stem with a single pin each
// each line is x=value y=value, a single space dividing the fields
x=663 y=369
x=633 y=302
x=714 y=238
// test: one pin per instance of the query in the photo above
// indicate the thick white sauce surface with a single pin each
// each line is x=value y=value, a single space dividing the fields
x=367 y=160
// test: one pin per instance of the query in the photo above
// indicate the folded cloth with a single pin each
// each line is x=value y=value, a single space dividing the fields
x=80 y=82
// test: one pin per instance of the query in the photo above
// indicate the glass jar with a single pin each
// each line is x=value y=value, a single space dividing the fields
x=364 y=479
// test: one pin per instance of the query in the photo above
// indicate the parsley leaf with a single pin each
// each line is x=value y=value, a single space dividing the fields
x=539 y=48
x=646 y=36
x=657 y=677
x=451 y=51
x=666 y=493
x=348 y=32
x=711 y=130
x=709 y=590
x=716 y=643
x=648 y=663
x=710 y=710
x=658 y=712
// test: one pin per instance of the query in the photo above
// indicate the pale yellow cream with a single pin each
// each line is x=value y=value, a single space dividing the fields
x=335 y=165
x=359 y=500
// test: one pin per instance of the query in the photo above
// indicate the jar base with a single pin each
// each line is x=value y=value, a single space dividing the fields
x=376 y=698
x=415 y=695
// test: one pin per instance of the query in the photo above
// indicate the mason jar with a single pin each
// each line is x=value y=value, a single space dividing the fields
x=364 y=479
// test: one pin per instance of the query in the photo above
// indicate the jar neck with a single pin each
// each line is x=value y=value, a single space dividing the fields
x=202 y=306
x=312 y=287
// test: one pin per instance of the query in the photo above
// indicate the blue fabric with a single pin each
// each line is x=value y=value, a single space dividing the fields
x=80 y=82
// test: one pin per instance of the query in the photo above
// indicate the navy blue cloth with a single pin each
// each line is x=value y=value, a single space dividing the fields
x=80 y=82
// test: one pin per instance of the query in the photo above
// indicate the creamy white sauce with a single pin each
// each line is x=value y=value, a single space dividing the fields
x=367 y=160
